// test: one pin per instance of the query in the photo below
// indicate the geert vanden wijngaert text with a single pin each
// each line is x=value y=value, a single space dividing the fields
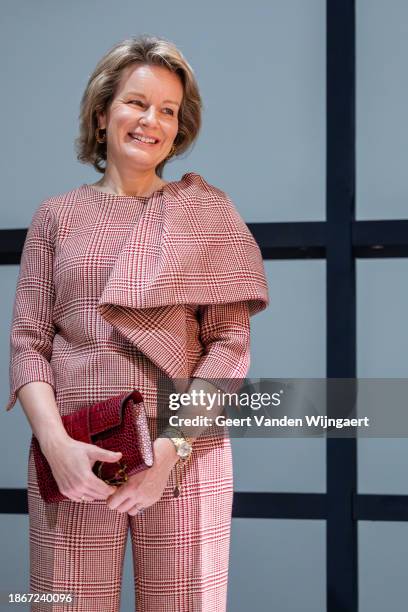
x=321 y=421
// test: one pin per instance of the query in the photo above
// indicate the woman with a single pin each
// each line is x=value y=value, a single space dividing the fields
x=121 y=281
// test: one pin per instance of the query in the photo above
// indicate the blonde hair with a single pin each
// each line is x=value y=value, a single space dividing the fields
x=102 y=85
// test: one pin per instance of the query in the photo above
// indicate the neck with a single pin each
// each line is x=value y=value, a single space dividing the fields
x=130 y=183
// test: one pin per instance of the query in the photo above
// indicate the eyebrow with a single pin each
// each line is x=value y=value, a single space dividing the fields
x=138 y=93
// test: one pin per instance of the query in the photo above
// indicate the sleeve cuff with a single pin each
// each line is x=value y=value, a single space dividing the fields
x=42 y=373
x=209 y=370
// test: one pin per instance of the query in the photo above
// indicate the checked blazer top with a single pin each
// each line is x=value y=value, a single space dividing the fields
x=180 y=286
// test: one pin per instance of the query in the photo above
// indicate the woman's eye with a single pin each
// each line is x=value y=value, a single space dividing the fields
x=142 y=104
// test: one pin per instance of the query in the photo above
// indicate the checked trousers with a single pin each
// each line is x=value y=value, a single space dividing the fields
x=180 y=545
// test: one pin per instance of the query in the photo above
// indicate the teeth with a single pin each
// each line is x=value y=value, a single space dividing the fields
x=143 y=139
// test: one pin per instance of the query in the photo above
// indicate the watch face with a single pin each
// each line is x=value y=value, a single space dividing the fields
x=184 y=449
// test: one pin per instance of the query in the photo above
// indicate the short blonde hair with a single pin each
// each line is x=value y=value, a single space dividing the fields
x=102 y=85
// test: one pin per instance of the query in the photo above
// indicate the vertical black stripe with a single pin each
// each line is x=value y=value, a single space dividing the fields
x=341 y=534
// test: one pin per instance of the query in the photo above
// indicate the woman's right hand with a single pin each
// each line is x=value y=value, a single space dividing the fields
x=71 y=463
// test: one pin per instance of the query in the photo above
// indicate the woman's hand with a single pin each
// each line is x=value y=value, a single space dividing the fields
x=146 y=488
x=71 y=463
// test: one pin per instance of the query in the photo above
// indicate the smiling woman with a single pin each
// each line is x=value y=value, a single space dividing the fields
x=122 y=284
x=140 y=108
x=139 y=133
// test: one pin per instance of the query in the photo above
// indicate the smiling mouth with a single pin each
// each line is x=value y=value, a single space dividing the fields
x=142 y=142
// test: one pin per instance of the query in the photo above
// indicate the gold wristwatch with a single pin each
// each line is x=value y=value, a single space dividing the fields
x=181 y=442
x=183 y=448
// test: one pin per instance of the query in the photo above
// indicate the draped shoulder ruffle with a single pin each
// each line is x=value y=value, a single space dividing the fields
x=190 y=246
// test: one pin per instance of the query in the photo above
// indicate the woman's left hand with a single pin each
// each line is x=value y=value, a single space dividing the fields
x=145 y=488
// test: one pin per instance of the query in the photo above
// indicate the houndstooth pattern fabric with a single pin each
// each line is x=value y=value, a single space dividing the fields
x=113 y=291
x=180 y=545
x=177 y=275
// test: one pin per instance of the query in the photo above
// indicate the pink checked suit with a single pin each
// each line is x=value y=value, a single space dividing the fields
x=109 y=295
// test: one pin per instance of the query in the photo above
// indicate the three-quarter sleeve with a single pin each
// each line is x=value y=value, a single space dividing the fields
x=32 y=330
x=225 y=334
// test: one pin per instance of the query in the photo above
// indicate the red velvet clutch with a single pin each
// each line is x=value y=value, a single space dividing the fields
x=118 y=424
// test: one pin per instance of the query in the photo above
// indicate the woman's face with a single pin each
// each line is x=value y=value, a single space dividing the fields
x=146 y=103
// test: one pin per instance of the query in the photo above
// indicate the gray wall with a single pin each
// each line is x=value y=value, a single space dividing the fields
x=261 y=67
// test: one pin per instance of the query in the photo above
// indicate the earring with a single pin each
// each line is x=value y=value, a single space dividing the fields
x=99 y=138
x=172 y=151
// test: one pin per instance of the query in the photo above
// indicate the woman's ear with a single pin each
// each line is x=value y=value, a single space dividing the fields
x=101 y=118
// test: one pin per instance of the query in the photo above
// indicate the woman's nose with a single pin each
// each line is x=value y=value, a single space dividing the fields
x=150 y=116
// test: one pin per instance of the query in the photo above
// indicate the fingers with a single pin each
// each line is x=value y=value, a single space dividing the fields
x=136 y=510
x=74 y=474
x=85 y=498
x=89 y=489
x=101 y=454
x=99 y=488
x=124 y=503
